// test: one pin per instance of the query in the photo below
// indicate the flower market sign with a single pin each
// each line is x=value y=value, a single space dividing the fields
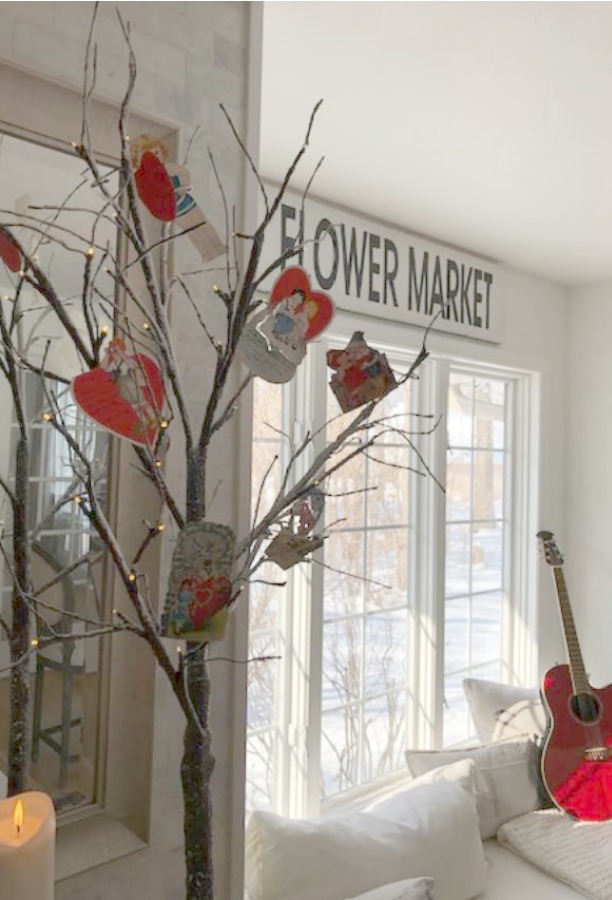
x=375 y=270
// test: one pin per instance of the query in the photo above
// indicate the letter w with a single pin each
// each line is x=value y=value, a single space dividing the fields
x=350 y=260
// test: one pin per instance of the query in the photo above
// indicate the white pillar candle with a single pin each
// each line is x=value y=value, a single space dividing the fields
x=27 y=851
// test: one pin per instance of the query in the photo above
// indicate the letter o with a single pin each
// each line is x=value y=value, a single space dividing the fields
x=325 y=226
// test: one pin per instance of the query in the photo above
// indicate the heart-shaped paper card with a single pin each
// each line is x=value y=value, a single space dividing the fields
x=155 y=188
x=10 y=253
x=319 y=306
x=125 y=395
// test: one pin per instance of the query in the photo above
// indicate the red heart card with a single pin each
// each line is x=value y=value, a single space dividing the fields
x=125 y=395
x=10 y=253
x=154 y=187
x=205 y=597
x=320 y=307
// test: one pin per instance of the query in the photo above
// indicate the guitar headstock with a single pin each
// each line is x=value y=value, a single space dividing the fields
x=548 y=548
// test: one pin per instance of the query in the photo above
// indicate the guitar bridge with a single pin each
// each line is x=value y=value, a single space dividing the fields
x=598 y=754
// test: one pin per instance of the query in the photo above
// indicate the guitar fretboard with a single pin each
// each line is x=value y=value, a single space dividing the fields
x=576 y=663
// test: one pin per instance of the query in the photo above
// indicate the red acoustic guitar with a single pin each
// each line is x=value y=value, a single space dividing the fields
x=577 y=754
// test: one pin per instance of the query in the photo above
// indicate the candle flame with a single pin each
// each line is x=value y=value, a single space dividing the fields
x=18 y=816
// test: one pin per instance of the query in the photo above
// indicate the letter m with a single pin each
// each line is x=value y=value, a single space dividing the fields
x=418 y=292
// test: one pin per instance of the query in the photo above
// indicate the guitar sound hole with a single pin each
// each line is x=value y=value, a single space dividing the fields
x=585 y=707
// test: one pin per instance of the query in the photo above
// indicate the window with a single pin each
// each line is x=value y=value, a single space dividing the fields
x=412 y=591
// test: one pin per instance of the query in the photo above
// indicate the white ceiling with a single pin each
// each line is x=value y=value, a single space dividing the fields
x=487 y=125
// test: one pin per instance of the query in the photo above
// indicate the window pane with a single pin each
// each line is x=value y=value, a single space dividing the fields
x=387 y=560
x=384 y=730
x=476 y=534
x=457 y=635
x=344 y=584
x=458 y=559
x=486 y=630
x=386 y=639
x=342 y=661
x=340 y=742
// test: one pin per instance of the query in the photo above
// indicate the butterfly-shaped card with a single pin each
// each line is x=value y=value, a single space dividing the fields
x=165 y=189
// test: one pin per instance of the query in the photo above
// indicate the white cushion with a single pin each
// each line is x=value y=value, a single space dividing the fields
x=509 y=769
x=463 y=773
x=523 y=717
x=489 y=699
x=411 y=889
x=337 y=857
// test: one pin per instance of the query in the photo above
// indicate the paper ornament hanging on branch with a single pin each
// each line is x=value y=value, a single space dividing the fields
x=200 y=586
x=294 y=542
x=362 y=373
x=274 y=342
x=165 y=189
x=125 y=394
x=10 y=254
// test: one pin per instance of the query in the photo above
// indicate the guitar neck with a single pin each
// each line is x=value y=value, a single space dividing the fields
x=576 y=663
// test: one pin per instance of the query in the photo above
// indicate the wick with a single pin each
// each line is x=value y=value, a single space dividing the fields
x=18 y=827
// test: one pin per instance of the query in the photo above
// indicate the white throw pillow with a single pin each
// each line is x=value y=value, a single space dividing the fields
x=336 y=857
x=489 y=699
x=412 y=889
x=524 y=717
x=509 y=769
x=463 y=773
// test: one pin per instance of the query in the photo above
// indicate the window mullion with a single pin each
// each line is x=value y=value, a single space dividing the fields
x=430 y=561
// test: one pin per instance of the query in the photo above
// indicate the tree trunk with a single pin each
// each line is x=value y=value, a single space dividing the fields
x=19 y=729
x=196 y=776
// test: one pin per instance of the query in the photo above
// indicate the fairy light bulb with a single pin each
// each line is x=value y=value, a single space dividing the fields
x=132 y=577
x=47 y=417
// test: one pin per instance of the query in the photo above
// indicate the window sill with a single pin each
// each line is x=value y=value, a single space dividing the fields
x=91 y=842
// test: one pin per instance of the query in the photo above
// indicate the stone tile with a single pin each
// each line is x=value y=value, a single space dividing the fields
x=42 y=14
x=230 y=56
x=7 y=34
x=33 y=50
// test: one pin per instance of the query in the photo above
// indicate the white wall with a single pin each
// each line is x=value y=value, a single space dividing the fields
x=588 y=533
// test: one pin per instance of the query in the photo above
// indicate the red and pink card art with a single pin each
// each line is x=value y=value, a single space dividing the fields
x=125 y=394
x=361 y=373
x=10 y=254
x=274 y=342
